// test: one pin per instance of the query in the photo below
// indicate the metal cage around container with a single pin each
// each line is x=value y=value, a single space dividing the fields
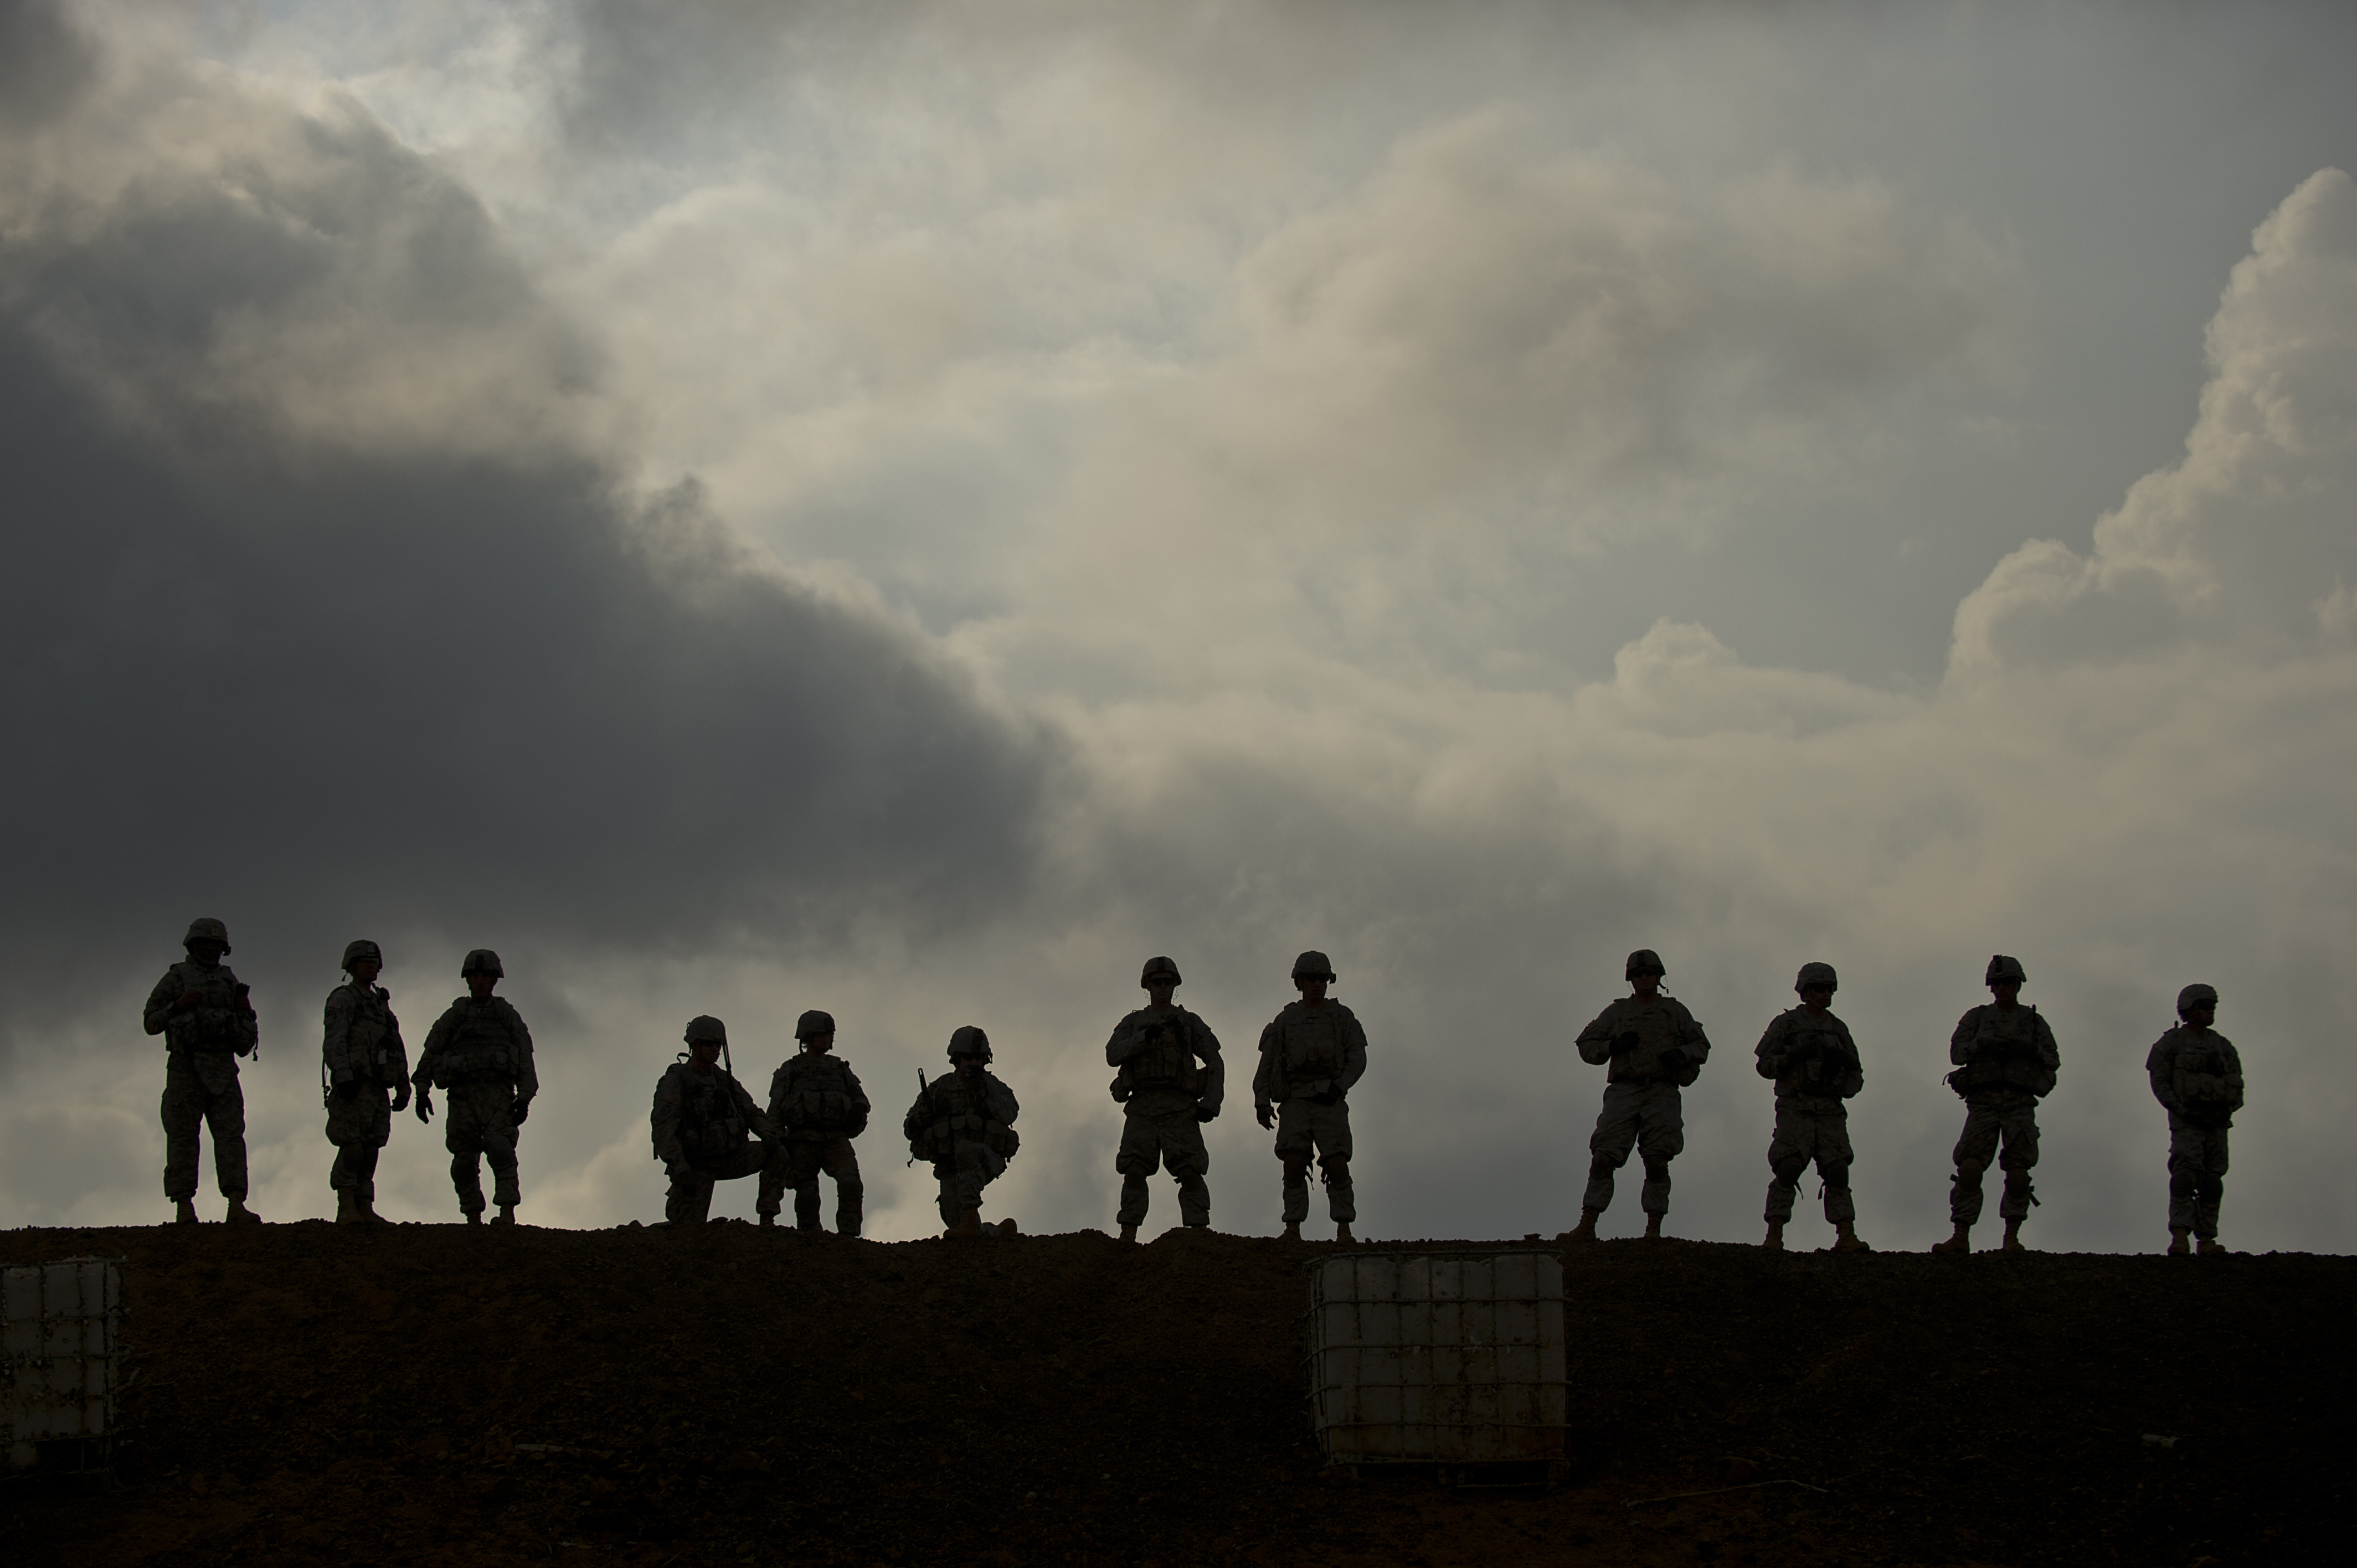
x=1438 y=1357
x=59 y=1325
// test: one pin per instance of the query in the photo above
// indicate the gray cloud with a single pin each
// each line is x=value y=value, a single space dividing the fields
x=328 y=616
x=46 y=62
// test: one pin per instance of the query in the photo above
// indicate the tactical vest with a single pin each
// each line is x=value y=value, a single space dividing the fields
x=371 y=1025
x=1820 y=1070
x=221 y=1018
x=817 y=1096
x=1656 y=1028
x=1167 y=1061
x=2198 y=1074
x=953 y=1115
x=2005 y=1054
x=711 y=1124
x=1314 y=1047
x=479 y=1045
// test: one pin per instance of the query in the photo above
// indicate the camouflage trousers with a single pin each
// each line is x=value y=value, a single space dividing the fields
x=359 y=1127
x=200 y=1090
x=478 y=1123
x=2197 y=1176
x=1986 y=1124
x=1649 y=1118
x=689 y=1201
x=964 y=1175
x=1173 y=1142
x=1802 y=1137
x=798 y=1164
x=1303 y=1125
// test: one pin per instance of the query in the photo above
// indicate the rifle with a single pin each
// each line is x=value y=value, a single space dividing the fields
x=924 y=1097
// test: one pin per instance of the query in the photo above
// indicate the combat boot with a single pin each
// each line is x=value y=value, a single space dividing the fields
x=1129 y=1232
x=2178 y=1245
x=1586 y=1230
x=1845 y=1239
x=1341 y=1233
x=507 y=1215
x=2013 y=1237
x=1775 y=1241
x=2209 y=1244
x=1292 y=1231
x=1006 y=1228
x=967 y=1223
x=239 y=1214
x=769 y=1222
x=474 y=1216
x=185 y=1212
x=1959 y=1243
x=1652 y=1227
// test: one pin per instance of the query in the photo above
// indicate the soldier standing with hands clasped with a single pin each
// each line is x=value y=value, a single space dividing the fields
x=2006 y=1061
x=2197 y=1076
x=1814 y=1062
x=1310 y=1056
x=481 y=1053
x=817 y=1105
x=1164 y=1099
x=1655 y=1048
x=362 y=1057
x=208 y=1022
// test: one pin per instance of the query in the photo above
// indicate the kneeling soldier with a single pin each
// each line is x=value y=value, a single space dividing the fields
x=965 y=1123
x=1809 y=1053
x=1655 y=1048
x=2197 y=1076
x=362 y=1059
x=2006 y=1061
x=700 y=1121
x=1164 y=1099
x=817 y=1105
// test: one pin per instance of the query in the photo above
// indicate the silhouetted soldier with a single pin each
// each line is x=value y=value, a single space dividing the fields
x=817 y=1107
x=361 y=1060
x=1655 y=1048
x=2197 y=1076
x=207 y=1022
x=1814 y=1062
x=2006 y=1061
x=1165 y=1097
x=1310 y=1056
x=700 y=1121
x=964 y=1122
x=481 y=1052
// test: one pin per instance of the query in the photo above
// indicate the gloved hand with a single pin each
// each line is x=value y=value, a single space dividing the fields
x=400 y=1100
x=1622 y=1044
x=1203 y=1115
x=519 y=1110
x=424 y=1102
x=1262 y=1114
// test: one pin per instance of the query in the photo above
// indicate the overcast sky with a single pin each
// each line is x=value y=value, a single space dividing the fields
x=911 y=511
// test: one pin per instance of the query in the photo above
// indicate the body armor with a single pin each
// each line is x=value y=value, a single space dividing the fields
x=480 y=1045
x=2005 y=1054
x=816 y=1092
x=221 y=1020
x=711 y=1126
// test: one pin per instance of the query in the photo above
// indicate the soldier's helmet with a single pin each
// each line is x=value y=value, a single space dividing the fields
x=2002 y=968
x=1816 y=974
x=813 y=1023
x=482 y=960
x=362 y=949
x=705 y=1026
x=1314 y=965
x=1644 y=961
x=205 y=929
x=2192 y=997
x=970 y=1041
x=1158 y=965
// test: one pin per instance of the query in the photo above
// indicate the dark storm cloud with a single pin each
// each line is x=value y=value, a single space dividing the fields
x=45 y=63
x=297 y=635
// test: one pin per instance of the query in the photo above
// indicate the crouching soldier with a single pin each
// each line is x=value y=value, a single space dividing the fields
x=1655 y=1048
x=701 y=1117
x=202 y=1011
x=2197 y=1076
x=1809 y=1053
x=1310 y=1056
x=1164 y=1099
x=362 y=1059
x=817 y=1107
x=480 y=1053
x=964 y=1122
x=2006 y=1061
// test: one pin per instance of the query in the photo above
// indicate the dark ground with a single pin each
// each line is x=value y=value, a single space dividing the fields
x=309 y=1394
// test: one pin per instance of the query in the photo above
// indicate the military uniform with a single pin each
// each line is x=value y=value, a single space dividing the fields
x=480 y=1053
x=203 y=1042
x=965 y=1127
x=1171 y=1082
x=1310 y=1059
x=1655 y=1048
x=2005 y=1062
x=816 y=1102
x=2197 y=1076
x=363 y=1060
x=1815 y=1066
x=701 y=1119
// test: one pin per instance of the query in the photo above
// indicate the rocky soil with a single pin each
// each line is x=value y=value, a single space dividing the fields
x=436 y=1395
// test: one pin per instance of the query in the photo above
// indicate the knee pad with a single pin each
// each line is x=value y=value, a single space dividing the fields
x=1296 y=1167
x=1969 y=1171
x=1599 y=1168
x=1789 y=1171
x=1656 y=1169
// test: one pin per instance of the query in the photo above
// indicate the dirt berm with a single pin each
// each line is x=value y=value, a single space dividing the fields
x=432 y=1394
